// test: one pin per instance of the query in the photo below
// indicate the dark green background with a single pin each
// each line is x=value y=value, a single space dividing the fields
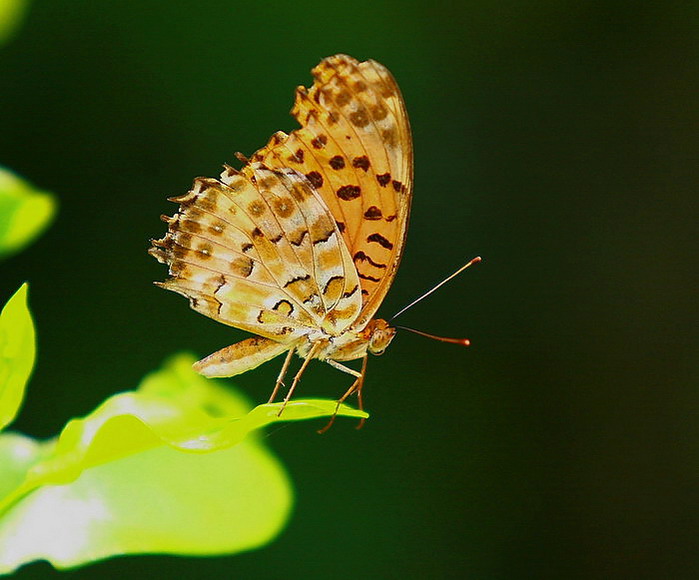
x=556 y=139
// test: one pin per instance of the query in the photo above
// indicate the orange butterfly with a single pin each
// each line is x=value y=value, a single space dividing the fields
x=301 y=245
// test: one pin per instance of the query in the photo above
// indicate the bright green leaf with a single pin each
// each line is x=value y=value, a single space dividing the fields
x=17 y=351
x=174 y=467
x=24 y=211
x=11 y=12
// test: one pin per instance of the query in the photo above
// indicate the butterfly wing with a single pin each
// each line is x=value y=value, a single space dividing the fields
x=354 y=146
x=260 y=251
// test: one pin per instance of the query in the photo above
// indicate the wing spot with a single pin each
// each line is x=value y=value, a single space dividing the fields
x=297 y=157
x=389 y=136
x=373 y=213
x=349 y=192
x=284 y=307
x=297 y=279
x=370 y=278
x=283 y=207
x=397 y=185
x=256 y=208
x=205 y=251
x=379 y=239
x=319 y=142
x=217 y=228
x=379 y=112
x=361 y=162
x=342 y=98
x=383 y=179
x=257 y=234
x=359 y=118
x=337 y=162
x=315 y=178
x=246 y=247
x=350 y=292
x=190 y=225
x=243 y=266
x=340 y=226
x=362 y=257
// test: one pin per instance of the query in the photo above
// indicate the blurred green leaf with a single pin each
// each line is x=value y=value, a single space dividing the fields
x=24 y=212
x=170 y=468
x=11 y=12
x=17 y=352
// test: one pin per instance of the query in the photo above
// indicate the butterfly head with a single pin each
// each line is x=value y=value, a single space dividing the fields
x=379 y=334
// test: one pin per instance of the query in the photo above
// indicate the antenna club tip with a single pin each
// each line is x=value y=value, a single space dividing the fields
x=465 y=342
x=477 y=259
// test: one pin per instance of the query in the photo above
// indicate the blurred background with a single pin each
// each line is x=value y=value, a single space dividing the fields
x=556 y=139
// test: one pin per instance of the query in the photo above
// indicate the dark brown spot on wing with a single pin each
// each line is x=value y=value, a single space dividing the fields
x=340 y=226
x=257 y=234
x=397 y=185
x=362 y=257
x=337 y=162
x=373 y=213
x=383 y=179
x=361 y=162
x=350 y=292
x=315 y=178
x=297 y=279
x=379 y=239
x=370 y=278
x=349 y=192
x=319 y=141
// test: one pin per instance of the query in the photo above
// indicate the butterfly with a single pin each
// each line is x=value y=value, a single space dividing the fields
x=300 y=246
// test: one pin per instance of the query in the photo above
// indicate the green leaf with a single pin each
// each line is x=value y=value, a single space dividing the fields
x=11 y=12
x=24 y=212
x=17 y=352
x=173 y=467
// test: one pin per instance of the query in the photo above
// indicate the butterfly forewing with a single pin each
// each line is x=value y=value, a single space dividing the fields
x=354 y=147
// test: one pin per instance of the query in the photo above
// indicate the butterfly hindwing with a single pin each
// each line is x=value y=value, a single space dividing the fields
x=260 y=252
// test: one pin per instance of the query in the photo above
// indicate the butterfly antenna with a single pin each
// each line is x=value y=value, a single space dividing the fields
x=461 y=341
x=426 y=294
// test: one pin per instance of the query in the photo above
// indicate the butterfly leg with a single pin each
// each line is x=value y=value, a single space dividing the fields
x=314 y=349
x=282 y=373
x=356 y=387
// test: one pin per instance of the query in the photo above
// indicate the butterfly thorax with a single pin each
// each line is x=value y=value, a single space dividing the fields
x=352 y=344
